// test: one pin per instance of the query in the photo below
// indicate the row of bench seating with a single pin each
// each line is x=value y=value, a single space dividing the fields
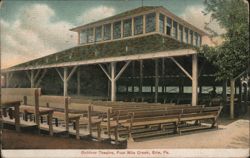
x=52 y=107
x=114 y=118
x=159 y=116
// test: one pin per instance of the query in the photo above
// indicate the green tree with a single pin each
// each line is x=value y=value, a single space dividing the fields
x=232 y=56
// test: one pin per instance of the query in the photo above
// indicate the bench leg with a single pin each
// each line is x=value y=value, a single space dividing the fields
x=56 y=122
x=48 y=119
x=30 y=117
x=41 y=119
x=74 y=125
x=99 y=132
x=130 y=138
x=4 y=112
x=214 y=124
x=10 y=113
x=177 y=130
x=50 y=124
x=77 y=128
x=116 y=135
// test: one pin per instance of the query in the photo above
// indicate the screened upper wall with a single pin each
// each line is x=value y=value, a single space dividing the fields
x=140 y=25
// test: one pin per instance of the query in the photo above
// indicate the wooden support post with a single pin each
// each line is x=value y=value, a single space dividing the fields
x=109 y=81
x=37 y=115
x=194 y=79
x=89 y=121
x=157 y=22
x=113 y=77
x=66 y=111
x=108 y=119
x=65 y=82
x=17 y=117
x=32 y=79
x=113 y=81
x=78 y=82
x=141 y=78
x=163 y=74
x=77 y=123
x=133 y=77
x=232 y=91
x=10 y=111
x=41 y=77
x=50 y=123
x=144 y=24
x=156 y=80
x=25 y=100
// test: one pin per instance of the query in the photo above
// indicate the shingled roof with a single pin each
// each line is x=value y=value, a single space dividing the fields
x=139 y=45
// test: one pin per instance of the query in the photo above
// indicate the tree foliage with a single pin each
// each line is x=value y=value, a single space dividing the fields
x=232 y=56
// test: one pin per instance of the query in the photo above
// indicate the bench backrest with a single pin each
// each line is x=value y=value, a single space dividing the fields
x=29 y=96
x=11 y=94
x=56 y=102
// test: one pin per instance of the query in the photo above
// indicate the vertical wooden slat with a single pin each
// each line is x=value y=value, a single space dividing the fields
x=194 y=79
x=50 y=123
x=77 y=128
x=66 y=111
x=108 y=118
x=89 y=121
x=37 y=118
x=156 y=80
x=17 y=118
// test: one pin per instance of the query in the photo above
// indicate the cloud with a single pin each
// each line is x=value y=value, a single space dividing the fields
x=96 y=13
x=33 y=34
x=194 y=15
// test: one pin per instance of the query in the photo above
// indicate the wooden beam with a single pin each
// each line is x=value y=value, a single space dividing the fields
x=65 y=81
x=32 y=79
x=71 y=73
x=155 y=55
x=59 y=73
x=157 y=22
x=28 y=75
x=37 y=74
x=194 y=79
x=156 y=80
x=141 y=77
x=103 y=69
x=163 y=74
x=113 y=81
x=179 y=65
x=41 y=77
x=90 y=120
x=122 y=70
x=66 y=111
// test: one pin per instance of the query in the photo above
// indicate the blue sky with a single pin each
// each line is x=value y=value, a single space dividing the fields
x=35 y=28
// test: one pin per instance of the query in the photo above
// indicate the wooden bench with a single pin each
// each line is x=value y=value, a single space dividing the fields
x=60 y=105
x=175 y=116
x=30 y=103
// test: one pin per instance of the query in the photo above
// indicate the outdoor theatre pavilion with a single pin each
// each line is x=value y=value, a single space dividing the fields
x=145 y=51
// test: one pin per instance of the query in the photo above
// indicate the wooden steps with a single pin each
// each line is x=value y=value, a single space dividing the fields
x=193 y=128
x=151 y=134
x=23 y=124
x=56 y=130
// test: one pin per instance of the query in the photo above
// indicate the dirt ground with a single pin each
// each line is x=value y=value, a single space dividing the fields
x=14 y=140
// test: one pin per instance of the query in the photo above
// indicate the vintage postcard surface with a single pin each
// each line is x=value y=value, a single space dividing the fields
x=124 y=78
